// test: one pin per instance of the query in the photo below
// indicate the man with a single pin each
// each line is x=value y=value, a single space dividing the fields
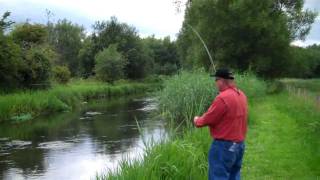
x=227 y=121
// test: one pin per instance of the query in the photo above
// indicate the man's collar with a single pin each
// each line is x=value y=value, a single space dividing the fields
x=228 y=87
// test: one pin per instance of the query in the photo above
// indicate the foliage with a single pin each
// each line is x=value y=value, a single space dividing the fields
x=26 y=58
x=61 y=74
x=128 y=41
x=27 y=34
x=86 y=58
x=305 y=62
x=66 y=39
x=110 y=64
x=163 y=53
x=29 y=50
x=37 y=67
x=145 y=56
x=10 y=63
x=245 y=35
x=4 y=24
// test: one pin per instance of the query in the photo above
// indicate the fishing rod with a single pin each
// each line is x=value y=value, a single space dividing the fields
x=205 y=46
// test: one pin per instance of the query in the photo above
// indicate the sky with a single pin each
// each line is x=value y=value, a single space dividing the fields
x=314 y=35
x=158 y=17
x=150 y=17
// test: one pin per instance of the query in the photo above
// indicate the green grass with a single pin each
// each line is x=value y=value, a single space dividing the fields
x=282 y=141
x=28 y=104
x=312 y=85
x=307 y=89
x=184 y=96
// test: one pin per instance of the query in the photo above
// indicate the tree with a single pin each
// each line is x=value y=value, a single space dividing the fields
x=4 y=24
x=37 y=68
x=10 y=63
x=128 y=41
x=86 y=57
x=10 y=57
x=136 y=67
x=305 y=62
x=315 y=49
x=243 y=35
x=36 y=55
x=27 y=34
x=110 y=64
x=66 y=38
x=164 y=54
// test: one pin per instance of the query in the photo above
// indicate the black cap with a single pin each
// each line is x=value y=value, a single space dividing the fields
x=223 y=73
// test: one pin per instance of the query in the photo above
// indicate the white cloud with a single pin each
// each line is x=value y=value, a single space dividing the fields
x=157 y=17
x=305 y=43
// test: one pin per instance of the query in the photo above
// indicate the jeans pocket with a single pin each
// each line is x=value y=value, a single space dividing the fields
x=229 y=157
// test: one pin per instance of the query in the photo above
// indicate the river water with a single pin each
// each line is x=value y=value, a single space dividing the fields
x=80 y=144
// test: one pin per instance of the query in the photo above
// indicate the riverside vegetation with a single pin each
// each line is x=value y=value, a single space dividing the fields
x=25 y=105
x=282 y=140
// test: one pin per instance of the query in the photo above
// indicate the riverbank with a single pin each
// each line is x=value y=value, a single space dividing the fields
x=282 y=140
x=77 y=144
x=26 y=105
x=312 y=85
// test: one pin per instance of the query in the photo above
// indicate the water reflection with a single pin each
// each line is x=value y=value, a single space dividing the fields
x=80 y=144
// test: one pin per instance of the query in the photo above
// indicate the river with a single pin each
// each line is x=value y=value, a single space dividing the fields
x=80 y=144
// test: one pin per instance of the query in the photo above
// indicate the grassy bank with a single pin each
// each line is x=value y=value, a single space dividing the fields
x=312 y=85
x=282 y=141
x=28 y=104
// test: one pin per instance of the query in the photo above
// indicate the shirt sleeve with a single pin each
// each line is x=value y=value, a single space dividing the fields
x=213 y=114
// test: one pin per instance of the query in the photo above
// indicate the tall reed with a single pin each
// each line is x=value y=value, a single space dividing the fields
x=186 y=94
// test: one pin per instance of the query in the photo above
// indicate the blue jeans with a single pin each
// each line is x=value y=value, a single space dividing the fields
x=225 y=159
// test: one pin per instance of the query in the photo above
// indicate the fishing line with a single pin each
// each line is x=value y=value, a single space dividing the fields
x=205 y=46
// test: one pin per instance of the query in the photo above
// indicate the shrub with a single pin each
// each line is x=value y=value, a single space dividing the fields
x=110 y=64
x=37 y=67
x=10 y=63
x=61 y=74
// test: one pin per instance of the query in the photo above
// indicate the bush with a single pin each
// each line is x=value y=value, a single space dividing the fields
x=25 y=58
x=251 y=85
x=110 y=64
x=37 y=67
x=61 y=74
x=10 y=63
x=27 y=34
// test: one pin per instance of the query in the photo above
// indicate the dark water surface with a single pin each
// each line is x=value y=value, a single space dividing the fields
x=80 y=144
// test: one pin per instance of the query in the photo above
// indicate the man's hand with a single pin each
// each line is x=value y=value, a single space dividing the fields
x=195 y=120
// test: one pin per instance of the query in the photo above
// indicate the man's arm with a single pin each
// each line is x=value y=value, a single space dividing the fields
x=213 y=114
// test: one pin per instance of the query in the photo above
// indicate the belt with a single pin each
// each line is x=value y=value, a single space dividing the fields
x=237 y=142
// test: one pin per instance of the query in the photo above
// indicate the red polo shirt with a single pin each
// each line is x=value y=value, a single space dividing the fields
x=227 y=115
